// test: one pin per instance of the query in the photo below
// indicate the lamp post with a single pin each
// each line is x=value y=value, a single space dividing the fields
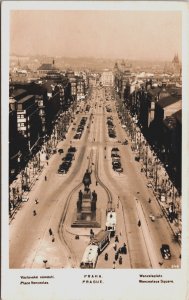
x=146 y=160
x=45 y=262
x=156 y=173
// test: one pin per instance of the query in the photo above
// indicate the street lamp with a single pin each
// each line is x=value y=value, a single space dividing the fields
x=45 y=262
x=146 y=160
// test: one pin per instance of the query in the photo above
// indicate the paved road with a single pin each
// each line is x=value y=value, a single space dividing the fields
x=30 y=241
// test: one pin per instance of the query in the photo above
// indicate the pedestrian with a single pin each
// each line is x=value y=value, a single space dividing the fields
x=47 y=163
x=120 y=260
x=96 y=182
x=149 y=200
x=139 y=223
x=50 y=231
x=114 y=264
x=36 y=201
x=45 y=178
x=116 y=239
x=116 y=255
x=124 y=249
x=106 y=256
x=34 y=213
x=115 y=246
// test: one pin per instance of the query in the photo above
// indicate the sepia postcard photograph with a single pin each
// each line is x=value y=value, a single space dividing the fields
x=94 y=155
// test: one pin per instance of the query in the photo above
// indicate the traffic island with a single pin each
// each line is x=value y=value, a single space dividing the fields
x=86 y=214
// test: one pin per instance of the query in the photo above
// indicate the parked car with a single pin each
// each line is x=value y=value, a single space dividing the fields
x=165 y=251
x=118 y=169
x=115 y=160
x=72 y=149
x=112 y=135
x=115 y=149
x=69 y=156
x=77 y=135
x=63 y=168
x=115 y=154
x=60 y=151
x=109 y=122
x=116 y=164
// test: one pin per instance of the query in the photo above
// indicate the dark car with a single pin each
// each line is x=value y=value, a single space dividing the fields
x=63 y=168
x=69 y=156
x=77 y=135
x=72 y=149
x=80 y=128
x=60 y=151
x=165 y=251
x=115 y=154
x=115 y=149
x=109 y=122
x=112 y=135
x=116 y=164
x=117 y=167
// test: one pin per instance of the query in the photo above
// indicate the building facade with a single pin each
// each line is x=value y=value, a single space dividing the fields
x=107 y=78
x=28 y=120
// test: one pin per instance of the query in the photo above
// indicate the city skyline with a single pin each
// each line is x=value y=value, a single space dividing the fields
x=99 y=34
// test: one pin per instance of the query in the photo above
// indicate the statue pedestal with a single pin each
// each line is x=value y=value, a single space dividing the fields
x=87 y=220
x=86 y=210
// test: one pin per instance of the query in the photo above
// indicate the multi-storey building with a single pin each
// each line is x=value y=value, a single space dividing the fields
x=28 y=120
x=45 y=69
x=107 y=78
x=80 y=88
x=14 y=145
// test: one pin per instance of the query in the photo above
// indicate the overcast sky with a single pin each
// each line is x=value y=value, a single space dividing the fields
x=106 y=34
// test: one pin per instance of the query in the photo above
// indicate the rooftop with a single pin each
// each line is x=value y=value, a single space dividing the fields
x=25 y=99
x=169 y=101
x=47 y=67
x=178 y=116
x=18 y=92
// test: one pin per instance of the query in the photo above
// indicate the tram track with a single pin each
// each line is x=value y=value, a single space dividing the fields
x=124 y=219
x=121 y=137
x=61 y=227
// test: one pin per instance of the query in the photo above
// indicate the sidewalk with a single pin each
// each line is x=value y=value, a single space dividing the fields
x=159 y=182
x=30 y=174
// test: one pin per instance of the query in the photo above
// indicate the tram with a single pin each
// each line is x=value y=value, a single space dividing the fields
x=111 y=222
x=90 y=257
x=101 y=239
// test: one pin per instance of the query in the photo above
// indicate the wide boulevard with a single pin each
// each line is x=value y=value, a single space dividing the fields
x=31 y=245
